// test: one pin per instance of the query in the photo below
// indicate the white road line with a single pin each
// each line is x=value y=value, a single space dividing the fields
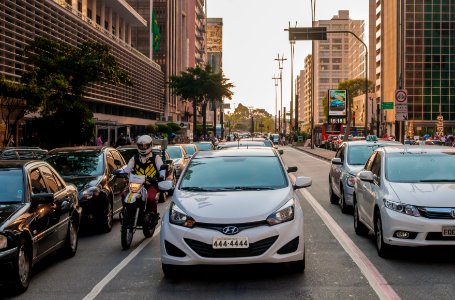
x=375 y=279
x=100 y=286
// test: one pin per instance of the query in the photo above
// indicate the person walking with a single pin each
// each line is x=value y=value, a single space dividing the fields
x=99 y=141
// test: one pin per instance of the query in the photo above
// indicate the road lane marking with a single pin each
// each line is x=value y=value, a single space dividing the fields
x=375 y=279
x=100 y=286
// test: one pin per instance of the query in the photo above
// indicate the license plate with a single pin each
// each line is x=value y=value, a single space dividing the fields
x=230 y=242
x=448 y=231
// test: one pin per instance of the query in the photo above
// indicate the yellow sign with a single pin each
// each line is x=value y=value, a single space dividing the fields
x=214 y=38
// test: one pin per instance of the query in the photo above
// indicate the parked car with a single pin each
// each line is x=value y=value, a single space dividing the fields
x=250 y=142
x=39 y=213
x=349 y=159
x=336 y=143
x=179 y=157
x=234 y=207
x=405 y=196
x=189 y=148
x=22 y=153
x=204 y=146
x=90 y=169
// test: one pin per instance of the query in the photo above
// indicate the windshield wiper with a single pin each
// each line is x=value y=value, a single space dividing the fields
x=197 y=189
x=251 y=188
x=437 y=180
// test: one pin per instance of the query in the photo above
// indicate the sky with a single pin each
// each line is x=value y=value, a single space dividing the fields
x=253 y=36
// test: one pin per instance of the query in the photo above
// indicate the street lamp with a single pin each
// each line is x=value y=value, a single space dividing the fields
x=276 y=101
x=280 y=67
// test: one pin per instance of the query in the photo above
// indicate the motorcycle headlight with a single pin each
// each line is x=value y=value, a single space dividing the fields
x=3 y=242
x=90 y=193
x=284 y=214
x=403 y=208
x=134 y=187
x=178 y=217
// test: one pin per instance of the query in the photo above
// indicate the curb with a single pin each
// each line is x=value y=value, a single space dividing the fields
x=312 y=154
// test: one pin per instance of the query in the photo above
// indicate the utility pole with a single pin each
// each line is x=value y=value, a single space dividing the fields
x=280 y=67
x=276 y=102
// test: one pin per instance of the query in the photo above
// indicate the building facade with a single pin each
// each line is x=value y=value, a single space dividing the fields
x=115 y=108
x=418 y=56
x=306 y=92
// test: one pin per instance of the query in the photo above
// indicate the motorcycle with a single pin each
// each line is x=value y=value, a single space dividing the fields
x=134 y=214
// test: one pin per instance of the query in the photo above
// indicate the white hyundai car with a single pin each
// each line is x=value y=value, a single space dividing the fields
x=405 y=195
x=234 y=207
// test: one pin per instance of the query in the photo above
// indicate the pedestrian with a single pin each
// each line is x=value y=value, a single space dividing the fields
x=99 y=140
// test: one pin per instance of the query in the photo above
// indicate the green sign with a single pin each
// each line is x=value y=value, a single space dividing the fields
x=387 y=105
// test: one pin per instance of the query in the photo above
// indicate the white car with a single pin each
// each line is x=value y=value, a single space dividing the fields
x=405 y=195
x=234 y=207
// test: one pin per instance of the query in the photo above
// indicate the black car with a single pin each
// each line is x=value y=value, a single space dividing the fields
x=39 y=213
x=90 y=169
x=22 y=153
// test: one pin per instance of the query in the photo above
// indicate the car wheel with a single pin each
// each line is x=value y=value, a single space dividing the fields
x=22 y=267
x=383 y=249
x=333 y=198
x=298 y=266
x=107 y=218
x=71 y=240
x=359 y=227
x=344 y=207
x=170 y=271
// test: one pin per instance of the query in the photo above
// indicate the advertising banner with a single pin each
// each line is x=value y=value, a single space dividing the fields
x=337 y=103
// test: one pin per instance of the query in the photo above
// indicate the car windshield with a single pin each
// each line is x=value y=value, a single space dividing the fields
x=11 y=183
x=204 y=146
x=358 y=155
x=234 y=173
x=77 y=163
x=412 y=167
x=189 y=149
x=174 y=152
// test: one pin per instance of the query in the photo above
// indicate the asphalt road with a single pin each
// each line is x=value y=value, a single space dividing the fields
x=339 y=264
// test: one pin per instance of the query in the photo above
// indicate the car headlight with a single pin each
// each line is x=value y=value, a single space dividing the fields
x=134 y=187
x=403 y=208
x=178 y=217
x=350 y=180
x=284 y=214
x=3 y=242
x=90 y=193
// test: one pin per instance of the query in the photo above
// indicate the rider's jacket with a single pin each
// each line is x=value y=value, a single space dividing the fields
x=147 y=168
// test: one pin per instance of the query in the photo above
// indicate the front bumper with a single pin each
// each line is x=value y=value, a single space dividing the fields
x=348 y=193
x=428 y=232
x=7 y=256
x=265 y=242
x=92 y=209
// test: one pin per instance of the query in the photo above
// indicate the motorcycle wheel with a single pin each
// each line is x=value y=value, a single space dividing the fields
x=127 y=231
x=149 y=225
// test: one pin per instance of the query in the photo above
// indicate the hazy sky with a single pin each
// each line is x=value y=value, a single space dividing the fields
x=253 y=35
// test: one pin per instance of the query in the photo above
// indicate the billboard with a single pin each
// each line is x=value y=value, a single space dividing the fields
x=337 y=103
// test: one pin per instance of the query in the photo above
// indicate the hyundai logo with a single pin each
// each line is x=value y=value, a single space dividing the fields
x=452 y=213
x=230 y=230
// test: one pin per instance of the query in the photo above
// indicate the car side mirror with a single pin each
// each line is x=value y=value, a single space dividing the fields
x=292 y=169
x=336 y=161
x=366 y=176
x=43 y=198
x=169 y=161
x=302 y=182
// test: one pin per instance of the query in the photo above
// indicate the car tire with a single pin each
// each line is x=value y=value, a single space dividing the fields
x=333 y=198
x=384 y=250
x=170 y=271
x=359 y=227
x=22 y=267
x=345 y=209
x=298 y=266
x=107 y=218
x=71 y=240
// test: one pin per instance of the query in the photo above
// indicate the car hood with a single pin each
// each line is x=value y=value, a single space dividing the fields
x=232 y=206
x=7 y=210
x=83 y=182
x=425 y=194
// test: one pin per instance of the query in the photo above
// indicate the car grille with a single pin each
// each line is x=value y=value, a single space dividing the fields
x=255 y=249
x=436 y=212
x=240 y=226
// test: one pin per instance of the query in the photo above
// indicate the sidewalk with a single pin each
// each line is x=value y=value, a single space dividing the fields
x=318 y=152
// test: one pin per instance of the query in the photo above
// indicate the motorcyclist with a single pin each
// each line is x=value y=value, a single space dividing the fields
x=145 y=162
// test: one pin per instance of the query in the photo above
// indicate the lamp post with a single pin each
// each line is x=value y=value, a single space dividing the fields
x=280 y=67
x=276 y=101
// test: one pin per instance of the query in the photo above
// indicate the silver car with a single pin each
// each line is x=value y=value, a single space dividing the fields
x=349 y=159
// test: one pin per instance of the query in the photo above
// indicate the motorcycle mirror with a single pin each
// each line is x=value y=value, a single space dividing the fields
x=165 y=185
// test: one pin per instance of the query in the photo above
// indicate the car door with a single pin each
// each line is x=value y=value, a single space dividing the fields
x=373 y=189
x=362 y=190
x=116 y=183
x=336 y=170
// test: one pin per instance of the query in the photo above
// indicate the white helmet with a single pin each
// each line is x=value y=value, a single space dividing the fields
x=144 y=144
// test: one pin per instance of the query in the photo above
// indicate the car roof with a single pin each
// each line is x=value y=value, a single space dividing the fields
x=365 y=142
x=13 y=163
x=419 y=149
x=266 y=151
x=78 y=148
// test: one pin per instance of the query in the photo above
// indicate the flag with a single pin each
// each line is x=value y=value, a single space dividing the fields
x=155 y=32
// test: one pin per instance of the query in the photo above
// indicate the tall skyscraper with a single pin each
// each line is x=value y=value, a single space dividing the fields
x=306 y=92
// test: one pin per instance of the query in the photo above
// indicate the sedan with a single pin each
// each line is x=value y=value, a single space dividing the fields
x=234 y=207
x=179 y=157
x=189 y=148
x=405 y=196
x=91 y=169
x=349 y=159
x=39 y=213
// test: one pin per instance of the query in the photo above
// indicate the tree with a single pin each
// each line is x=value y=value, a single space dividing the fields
x=56 y=81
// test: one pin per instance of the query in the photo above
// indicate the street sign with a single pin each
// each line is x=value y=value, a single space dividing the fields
x=307 y=33
x=401 y=97
x=401 y=112
x=387 y=105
